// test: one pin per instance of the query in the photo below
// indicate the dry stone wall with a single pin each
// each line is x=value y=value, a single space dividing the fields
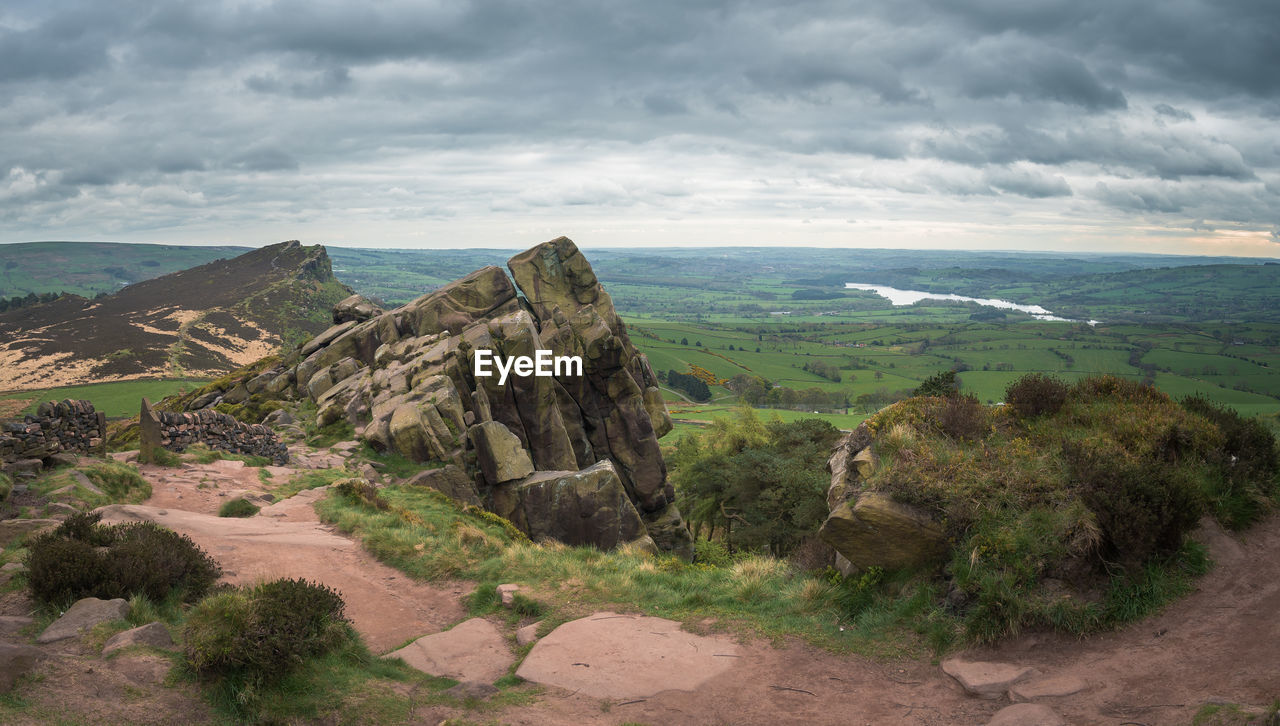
x=62 y=426
x=177 y=431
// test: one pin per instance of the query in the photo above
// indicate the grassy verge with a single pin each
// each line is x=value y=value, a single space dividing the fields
x=428 y=536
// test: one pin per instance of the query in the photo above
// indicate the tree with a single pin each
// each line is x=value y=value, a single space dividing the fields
x=758 y=485
x=942 y=384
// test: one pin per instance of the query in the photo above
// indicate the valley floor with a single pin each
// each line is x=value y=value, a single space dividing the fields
x=1222 y=642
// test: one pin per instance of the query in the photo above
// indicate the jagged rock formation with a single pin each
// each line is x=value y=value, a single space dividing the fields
x=203 y=321
x=571 y=457
x=869 y=529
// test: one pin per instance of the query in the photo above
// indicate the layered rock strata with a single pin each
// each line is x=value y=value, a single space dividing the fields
x=569 y=457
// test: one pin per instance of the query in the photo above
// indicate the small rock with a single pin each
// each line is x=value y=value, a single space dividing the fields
x=56 y=509
x=508 y=594
x=1026 y=714
x=83 y=615
x=476 y=690
x=63 y=458
x=471 y=651
x=985 y=680
x=85 y=482
x=16 y=661
x=528 y=633
x=10 y=529
x=11 y=625
x=1051 y=687
x=155 y=635
x=12 y=567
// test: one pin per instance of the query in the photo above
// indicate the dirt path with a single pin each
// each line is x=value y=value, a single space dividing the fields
x=1221 y=642
x=287 y=539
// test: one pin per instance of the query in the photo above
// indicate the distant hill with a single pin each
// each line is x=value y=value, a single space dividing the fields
x=202 y=321
x=89 y=268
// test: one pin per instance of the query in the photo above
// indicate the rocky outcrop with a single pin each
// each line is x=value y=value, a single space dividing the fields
x=405 y=379
x=177 y=431
x=867 y=528
x=63 y=426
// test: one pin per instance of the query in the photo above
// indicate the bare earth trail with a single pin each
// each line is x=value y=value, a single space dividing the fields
x=286 y=539
x=1223 y=641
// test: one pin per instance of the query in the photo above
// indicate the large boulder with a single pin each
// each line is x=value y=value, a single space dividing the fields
x=587 y=507
x=355 y=308
x=872 y=530
x=499 y=453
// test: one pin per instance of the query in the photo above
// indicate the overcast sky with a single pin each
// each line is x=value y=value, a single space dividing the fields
x=1106 y=125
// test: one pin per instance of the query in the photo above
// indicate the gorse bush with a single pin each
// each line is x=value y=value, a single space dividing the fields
x=1036 y=394
x=82 y=558
x=251 y=637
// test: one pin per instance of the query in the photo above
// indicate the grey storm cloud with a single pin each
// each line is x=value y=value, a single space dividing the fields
x=308 y=109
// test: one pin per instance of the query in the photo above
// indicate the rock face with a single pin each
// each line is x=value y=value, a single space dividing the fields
x=866 y=528
x=406 y=380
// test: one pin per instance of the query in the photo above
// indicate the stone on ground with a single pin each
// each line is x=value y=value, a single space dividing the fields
x=15 y=662
x=626 y=656
x=507 y=594
x=875 y=531
x=155 y=635
x=83 y=615
x=10 y=625
x=11 y=529
x=1026 y=714
x=472 y=651
x=983 y=679
x=1050 y=687
x=528 y=633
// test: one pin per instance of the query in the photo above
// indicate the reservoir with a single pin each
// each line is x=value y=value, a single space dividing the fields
x=908 y=297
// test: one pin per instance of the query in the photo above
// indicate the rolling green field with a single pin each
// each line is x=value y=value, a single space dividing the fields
x=118 y=399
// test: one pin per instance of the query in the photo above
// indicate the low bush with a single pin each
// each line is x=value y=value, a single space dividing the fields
x=238 y=507
x=1035 y=395
x=252 y=637
x=963 y=418
x=82 y=558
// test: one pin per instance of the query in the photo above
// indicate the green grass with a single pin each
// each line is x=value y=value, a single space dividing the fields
x=238 y=507
x=310 y=479
x=119 y=484
x=426 y=535
x=117 y=399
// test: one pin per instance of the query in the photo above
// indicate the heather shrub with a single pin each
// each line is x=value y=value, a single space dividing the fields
x=1036 y=395
x=1116 y=389
x=151 y=560
x=963 y=418
x=1143 y=507
x=82 y=558
x=251 y=637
